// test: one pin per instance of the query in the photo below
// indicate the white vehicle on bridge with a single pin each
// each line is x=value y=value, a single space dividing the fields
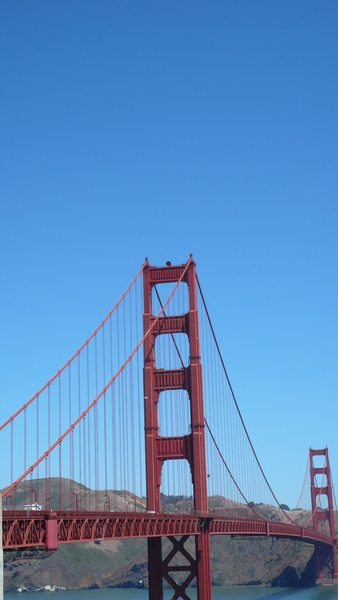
x=34 y=506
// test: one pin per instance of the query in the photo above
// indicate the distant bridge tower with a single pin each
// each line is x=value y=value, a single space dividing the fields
x=323 y=518
x=190 y=447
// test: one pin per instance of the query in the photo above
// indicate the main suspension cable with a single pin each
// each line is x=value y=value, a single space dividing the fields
x=235 y=401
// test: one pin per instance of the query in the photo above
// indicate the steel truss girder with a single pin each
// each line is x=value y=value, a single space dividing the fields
x=20 y=531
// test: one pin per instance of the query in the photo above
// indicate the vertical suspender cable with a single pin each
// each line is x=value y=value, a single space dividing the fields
x=124 y=419
x=111 y=419
x=12 y=451
x=118 y=431
x=25 y=451
x=60 y=447
x=71 y=449
x=104 y=413
x=79 y=412
x=96 y=440
x=113 y=415
x=84 y=424
x=89 y=441
x=37 y=435
x=138 y=408
x=132 y=411
x=48 y=491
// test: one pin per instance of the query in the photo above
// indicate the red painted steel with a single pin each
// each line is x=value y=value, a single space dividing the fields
x=46 y=529
x=190 y=447
x=176 y=324
x=323 y=518
x=51 y=534
x=38 y=530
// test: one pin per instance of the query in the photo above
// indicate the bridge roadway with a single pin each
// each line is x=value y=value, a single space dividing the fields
x=47 y=529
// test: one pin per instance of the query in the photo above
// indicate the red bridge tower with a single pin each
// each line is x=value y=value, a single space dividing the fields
x=323 y=518
x=190 y=447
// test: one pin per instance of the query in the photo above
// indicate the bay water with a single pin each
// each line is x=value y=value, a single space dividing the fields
x=218 y=593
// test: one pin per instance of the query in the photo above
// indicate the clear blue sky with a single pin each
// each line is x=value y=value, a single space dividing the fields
x=138 y=128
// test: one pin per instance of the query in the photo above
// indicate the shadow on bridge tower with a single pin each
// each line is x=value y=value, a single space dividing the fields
x=163 y=448
x=323 y=518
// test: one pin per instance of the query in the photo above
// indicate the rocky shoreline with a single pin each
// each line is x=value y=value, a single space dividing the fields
x=124 y=563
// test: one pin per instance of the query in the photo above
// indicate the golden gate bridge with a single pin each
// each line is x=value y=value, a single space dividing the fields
x=131 y=420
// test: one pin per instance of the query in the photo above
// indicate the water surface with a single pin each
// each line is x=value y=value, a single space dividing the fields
x=218 y=593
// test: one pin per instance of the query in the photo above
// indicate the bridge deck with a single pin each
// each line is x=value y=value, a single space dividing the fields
x=22 y=530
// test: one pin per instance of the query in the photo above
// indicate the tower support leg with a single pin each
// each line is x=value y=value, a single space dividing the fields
x=155 y=569
x=203 y=565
